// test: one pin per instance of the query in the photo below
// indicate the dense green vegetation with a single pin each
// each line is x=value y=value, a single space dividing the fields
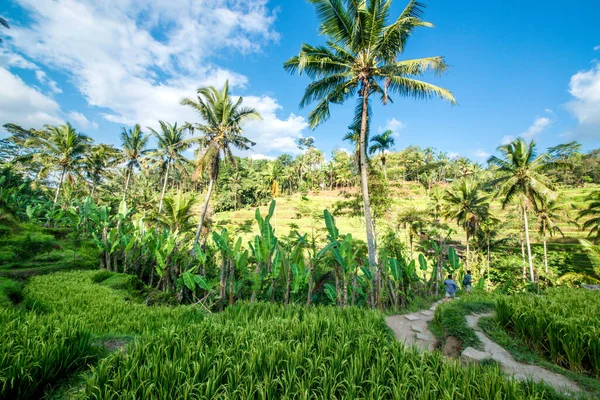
x=259 y=351
x=275 y=286
x=562 y=325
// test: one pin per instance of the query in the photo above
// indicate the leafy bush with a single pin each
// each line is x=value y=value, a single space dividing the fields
x=29 y=244
x=101 y=276
x=562 y=325
x=7 y=255
x=10 y=292
x=128 y=283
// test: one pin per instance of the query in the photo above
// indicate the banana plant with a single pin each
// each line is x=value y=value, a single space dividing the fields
x=232 y=258
x=454 y=264
x=192 y=279
x=263 y=250
x=345 y=254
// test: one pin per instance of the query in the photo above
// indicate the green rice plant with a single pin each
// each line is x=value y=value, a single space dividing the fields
x=561 y=325
x=36 y=351
x=268 y=351
x=258 y=351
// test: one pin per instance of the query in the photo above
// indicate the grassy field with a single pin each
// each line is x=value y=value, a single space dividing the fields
x=305 y=214
x=562 y=326
x=86 y=334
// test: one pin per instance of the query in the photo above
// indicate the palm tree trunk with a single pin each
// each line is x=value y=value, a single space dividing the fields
x=127 y=183
x=164 y=189
x=364 y=181
x=526 y=221
x=310 y=284
x=545 y=246
x=488 y=258
x=467 y=258
x=204 y=209
x=62 y=178
x=384 y=168
x=523 y=254
x=235 y=198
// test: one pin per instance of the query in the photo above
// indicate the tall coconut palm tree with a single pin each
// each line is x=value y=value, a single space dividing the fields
x=413 y=222
x=382 y=143
x=235 y=180
x=59 y=147
x=134 y=143
x=171 y=145
x=520 y=175
x=99 y=158
x=549 y=212
x=359 y=57
x=468 y=207
x=591 y=214
x=489 y=229
x=224 y=119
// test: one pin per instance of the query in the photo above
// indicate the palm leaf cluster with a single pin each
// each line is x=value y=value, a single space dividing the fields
x=591 y=214
x=222 y=131
x=360 y=55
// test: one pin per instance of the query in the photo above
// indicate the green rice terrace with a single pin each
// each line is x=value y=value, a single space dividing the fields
x=214 y=250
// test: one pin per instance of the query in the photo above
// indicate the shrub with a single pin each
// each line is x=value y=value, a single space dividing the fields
x=32 y=243
x=129 y=283
x=101 y=276
x=10 y=292
x=156 y=297
x=7 y=255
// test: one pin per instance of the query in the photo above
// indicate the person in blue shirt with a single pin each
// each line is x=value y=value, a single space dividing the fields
x=451 y=288
x=468 y=281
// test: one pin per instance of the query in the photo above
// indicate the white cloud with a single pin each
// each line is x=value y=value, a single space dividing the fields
x=453 y=154
x=393 y=125
x=43 y=78
x=257 y=156
x=506 y=139
x=549 y=111
x=596 y=48
x=81 y=121
x=481 y=153
x=23 y=105
x=138 y=59
x=14 y=60
x=538 y=126
x=584 y=86
x=273 y=134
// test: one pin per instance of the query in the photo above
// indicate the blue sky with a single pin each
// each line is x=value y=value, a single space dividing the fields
x=517 y=69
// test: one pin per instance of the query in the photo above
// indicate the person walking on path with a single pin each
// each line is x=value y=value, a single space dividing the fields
x=451 y=288
x=467 y=282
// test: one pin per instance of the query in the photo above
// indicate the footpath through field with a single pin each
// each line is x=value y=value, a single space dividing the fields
x=411 y=329
x=509 y=365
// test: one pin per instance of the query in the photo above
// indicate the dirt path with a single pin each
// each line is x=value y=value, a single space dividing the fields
x=509 y=365
x=411 y=329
